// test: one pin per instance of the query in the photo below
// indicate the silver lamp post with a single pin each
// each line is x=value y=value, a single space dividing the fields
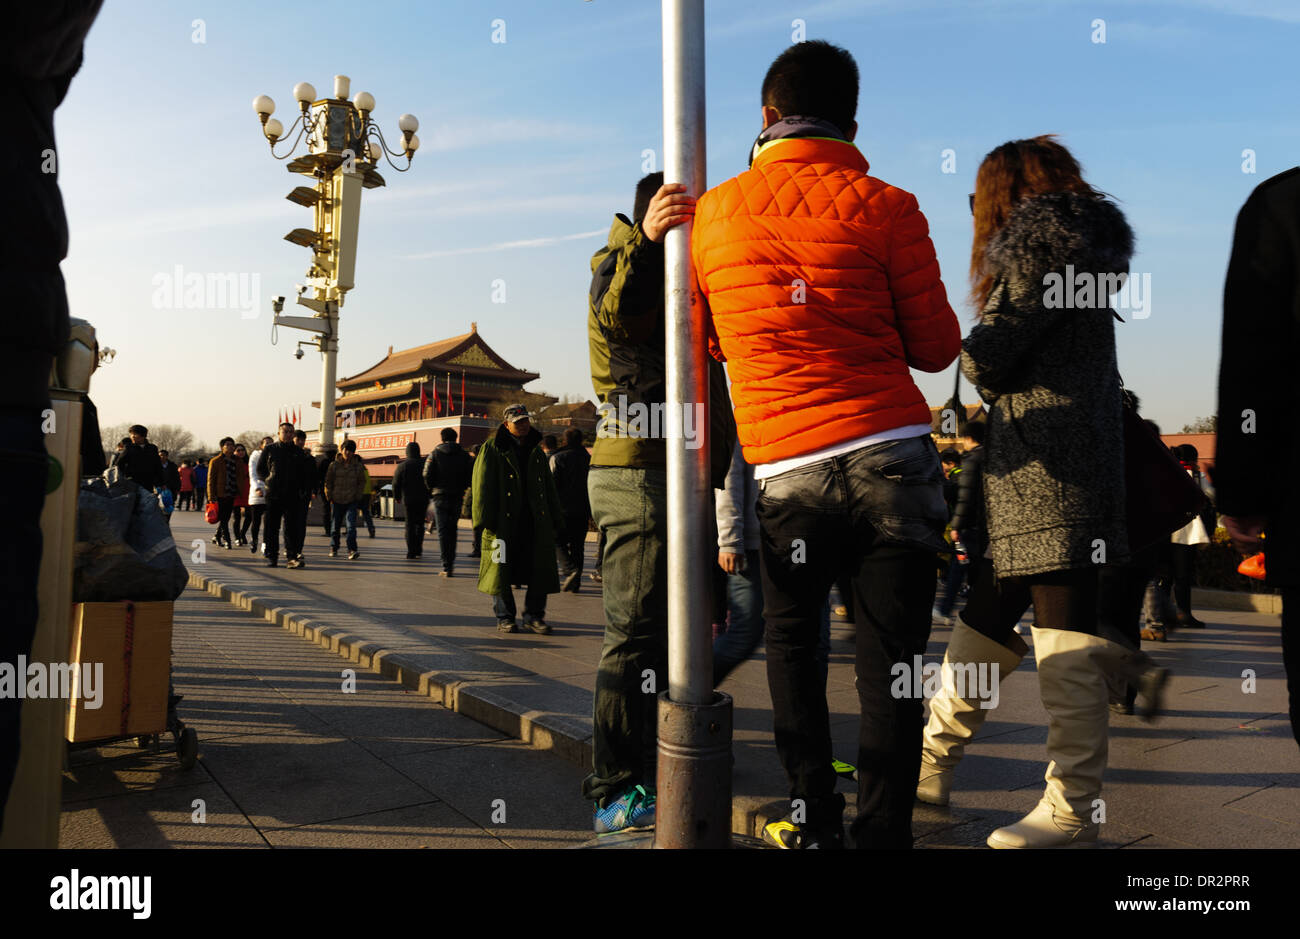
x=694 y=775
x=343 y=149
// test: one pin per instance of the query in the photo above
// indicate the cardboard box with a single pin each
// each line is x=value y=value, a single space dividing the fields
x=133 y=699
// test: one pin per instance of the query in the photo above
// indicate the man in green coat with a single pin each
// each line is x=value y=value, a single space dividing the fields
x=516 y=504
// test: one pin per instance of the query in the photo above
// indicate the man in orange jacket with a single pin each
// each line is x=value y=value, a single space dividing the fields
x=824 y=290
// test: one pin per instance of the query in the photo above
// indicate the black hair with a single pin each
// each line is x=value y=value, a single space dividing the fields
x=645 y=191
x=288 y=424
x=163 y=453
x=949 y=455
x=976 y=430
x=350 y=446
x=139 y=429
x=299 y=434
x=225 y=440
x=448 y=435
x=814 y=79
x=550 y=443
x=572 y=437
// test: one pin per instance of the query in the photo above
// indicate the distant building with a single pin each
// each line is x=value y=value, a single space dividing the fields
x=939 y=428
x=556 y=417
x=464 y=383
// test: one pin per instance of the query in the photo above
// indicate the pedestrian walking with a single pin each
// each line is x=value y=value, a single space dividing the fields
x=186 y=474
x=410 y=490
x=289 y=474
x=227 y=477
x=1054 y=487
x=171 y=476
x=835 y=427
x=200 y=485
x=367 y=495
x=345 y=482
x=447 y=474
x=516 y=503
x=256 y=499
x=569 y=465
x=139 y=460
x=316 y=467
x=239 y=514
x=968 y=534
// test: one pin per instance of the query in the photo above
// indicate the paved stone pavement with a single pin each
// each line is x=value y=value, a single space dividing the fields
x=1218 y=771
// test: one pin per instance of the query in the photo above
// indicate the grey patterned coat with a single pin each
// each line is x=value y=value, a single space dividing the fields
x=1054 y=476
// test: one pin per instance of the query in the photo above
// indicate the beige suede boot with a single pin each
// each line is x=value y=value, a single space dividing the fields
x=954 y=720
x=1072 y=678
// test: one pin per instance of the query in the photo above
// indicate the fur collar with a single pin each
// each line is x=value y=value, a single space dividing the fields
x=1049 y=231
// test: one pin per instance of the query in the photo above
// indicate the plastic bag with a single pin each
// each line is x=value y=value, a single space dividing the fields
x=124 y=547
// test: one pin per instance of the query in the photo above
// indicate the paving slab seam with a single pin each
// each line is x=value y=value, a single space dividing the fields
x=477 y=700
x=539 y=729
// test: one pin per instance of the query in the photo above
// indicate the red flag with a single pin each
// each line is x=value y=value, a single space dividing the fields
x=462 y=391
x=297 y=416
x=437 y=405
x=449 y=400
x=424 y=400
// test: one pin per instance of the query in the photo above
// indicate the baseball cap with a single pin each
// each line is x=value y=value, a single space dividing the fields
x=516 y=412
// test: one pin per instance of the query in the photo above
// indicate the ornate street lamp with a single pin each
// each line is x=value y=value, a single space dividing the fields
x=343 y=149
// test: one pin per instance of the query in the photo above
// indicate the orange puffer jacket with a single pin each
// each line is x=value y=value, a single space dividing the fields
x=824 y=288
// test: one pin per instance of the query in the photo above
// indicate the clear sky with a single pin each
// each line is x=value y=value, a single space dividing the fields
x=529 y=146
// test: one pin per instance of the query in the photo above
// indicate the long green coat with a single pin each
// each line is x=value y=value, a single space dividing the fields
x=499 y=504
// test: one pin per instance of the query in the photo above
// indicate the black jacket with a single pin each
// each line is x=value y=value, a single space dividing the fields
x=171 y=475
x=968 y=514
x=408 y=484
x=1257 y=448
x=569 y=467
x=140 y=462
x=447 y=471
x=288 y=470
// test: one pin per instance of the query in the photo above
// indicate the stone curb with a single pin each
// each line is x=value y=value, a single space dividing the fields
x=1234 y=600
x=478 y=701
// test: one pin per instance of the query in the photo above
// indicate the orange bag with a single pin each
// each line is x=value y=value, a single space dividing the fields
x=1253 y=566
x=211 y=513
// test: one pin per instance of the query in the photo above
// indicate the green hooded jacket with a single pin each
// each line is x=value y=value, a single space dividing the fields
x=499 y=505
x=625 y=332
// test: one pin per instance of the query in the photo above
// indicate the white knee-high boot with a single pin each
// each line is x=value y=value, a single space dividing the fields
x=954 y=719
x=1072 y=669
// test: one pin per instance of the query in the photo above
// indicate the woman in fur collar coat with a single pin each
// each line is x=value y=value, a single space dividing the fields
x=1048 y=251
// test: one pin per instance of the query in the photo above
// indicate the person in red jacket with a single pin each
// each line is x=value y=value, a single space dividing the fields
x=824 y=290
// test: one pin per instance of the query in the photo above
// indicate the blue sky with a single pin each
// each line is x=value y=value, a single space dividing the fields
x=530 y=145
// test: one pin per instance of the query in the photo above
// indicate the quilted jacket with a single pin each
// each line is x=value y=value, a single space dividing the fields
x=824 y=289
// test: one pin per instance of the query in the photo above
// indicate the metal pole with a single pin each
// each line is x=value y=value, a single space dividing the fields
x=329 y=343
x=694 y=775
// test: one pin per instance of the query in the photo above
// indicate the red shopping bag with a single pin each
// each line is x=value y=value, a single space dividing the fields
x=1253 y=566
x=211 y=513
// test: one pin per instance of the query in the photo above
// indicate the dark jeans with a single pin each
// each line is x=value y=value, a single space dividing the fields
x=345 y=513
x=415 y=512
x=446 y=513
x=23 y=466
x=328 y=514
x=572 y=546
x=1183 y=557
x=237 y=520
x=294 y=514
x=875 y=515
x=187 y=499
x=224 y=508
x=631 y=506
x=253 y=519
x=363 y=509
x=1291 y=653
x=745 y=622
x=534 y=603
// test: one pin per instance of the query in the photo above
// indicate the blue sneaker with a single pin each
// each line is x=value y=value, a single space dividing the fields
x=634 y=810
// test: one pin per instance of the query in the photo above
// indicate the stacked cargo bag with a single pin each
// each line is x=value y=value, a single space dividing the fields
x=127 y=574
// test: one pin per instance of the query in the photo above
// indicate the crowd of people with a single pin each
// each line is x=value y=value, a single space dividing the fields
x=822 y=290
